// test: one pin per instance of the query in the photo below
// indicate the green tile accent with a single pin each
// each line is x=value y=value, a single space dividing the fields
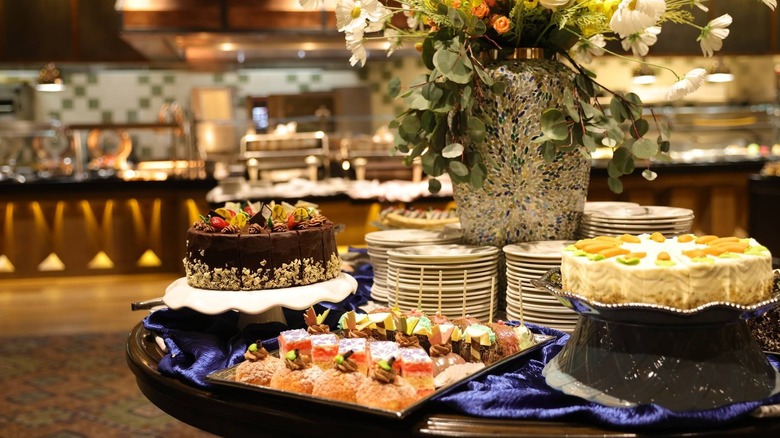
x=93 y=104
x=107 y=116
x=398 y=63
x=362 y=74
x=92 y=78
x=169 y=99
x=386 y=99
x=316 y=78
x=144 y=79
x=146 y=152
x=291 y=78
x=132 y=116
x=79 y=90
x=219 y=78
x=375 y=87
x=169 y=79
x=304 y=88
x=243 y=79
x=144 y=103
x=156 y=90
x=387 y=75
x=56 y=115
x=67 y=104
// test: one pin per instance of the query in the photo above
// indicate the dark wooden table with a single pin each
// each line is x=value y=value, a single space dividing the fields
x=236 y=412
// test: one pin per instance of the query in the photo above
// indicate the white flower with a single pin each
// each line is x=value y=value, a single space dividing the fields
x=394 y=42
x=771 y=3
x=584 y=51
x=553 y=4
x=351 y=15
x=356 y=46
x=713 y=33
x=640 y=42
x=310 y=4
x=411 y=19
x=701 y=6
x=633 y=16
x=687 y=85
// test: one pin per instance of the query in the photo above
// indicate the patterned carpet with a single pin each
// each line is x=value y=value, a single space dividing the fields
x=76 y=386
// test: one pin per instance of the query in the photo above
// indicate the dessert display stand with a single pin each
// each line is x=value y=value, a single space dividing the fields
x=236 y=412
x=258 y=306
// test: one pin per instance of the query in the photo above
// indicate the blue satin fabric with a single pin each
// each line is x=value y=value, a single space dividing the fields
x=523 y=394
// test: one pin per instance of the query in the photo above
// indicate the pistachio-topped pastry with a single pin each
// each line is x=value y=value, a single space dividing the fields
x=385 y=389
x=258 y=367
x=683 y=272
x=298 y=374
x=342 y=381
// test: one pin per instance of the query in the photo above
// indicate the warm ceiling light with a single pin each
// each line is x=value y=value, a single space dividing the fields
x=720 y=73
x=50 y=79
x=643 y=75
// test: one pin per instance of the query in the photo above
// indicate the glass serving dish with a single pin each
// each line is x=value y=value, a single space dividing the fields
x=682 y=360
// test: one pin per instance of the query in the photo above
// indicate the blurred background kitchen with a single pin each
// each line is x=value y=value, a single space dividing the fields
x=122 y=121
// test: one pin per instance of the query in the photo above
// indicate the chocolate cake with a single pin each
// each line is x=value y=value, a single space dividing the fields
x=259 y=251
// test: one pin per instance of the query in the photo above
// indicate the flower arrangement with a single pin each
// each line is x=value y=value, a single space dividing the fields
x=455 y=38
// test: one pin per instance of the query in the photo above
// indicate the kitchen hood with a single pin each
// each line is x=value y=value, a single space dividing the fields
x=237 y=33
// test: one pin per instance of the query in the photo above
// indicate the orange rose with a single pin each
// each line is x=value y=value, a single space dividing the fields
x=501 y=24
x=481 y=11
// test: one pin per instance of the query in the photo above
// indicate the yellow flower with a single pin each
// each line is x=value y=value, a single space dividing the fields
x=530 y=4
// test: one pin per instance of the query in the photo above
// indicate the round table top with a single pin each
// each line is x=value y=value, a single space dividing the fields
x=236 y=412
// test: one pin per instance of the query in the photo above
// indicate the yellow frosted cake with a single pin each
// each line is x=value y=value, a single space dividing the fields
x=682 y=272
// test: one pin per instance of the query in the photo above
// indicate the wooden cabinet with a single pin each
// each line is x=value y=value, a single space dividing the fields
x=62 y=31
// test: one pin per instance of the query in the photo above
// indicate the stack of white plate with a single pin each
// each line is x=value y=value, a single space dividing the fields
x=455 y=280
x=379 y=242
x=524 y=301
x=616 y=219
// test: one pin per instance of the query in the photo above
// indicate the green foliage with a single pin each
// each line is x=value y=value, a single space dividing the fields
x=441 y=124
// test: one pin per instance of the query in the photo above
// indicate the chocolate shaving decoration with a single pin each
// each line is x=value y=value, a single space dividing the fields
x=301 y=362
x=230 y=229
x=406 y=340
x=202 y=226
x=280 y=228
x=310 y=316
x=440 y=350
x=347 y=365
x=255 y=229
x=257 y=218
x=254 y=356
x=384 y=376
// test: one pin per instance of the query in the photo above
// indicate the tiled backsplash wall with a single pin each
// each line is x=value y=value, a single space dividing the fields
x=137 y=95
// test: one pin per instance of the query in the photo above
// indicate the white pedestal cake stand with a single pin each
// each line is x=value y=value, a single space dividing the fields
x=257 y=306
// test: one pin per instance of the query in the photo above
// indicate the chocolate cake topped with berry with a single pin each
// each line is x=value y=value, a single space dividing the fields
x=261 y=246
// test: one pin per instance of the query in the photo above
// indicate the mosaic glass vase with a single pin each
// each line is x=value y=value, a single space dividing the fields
x=524 y=198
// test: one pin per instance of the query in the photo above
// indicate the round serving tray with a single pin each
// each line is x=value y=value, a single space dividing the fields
x=212 y=302
x=653 y=314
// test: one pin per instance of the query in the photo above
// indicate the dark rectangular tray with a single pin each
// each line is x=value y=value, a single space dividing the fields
x=225 y=377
